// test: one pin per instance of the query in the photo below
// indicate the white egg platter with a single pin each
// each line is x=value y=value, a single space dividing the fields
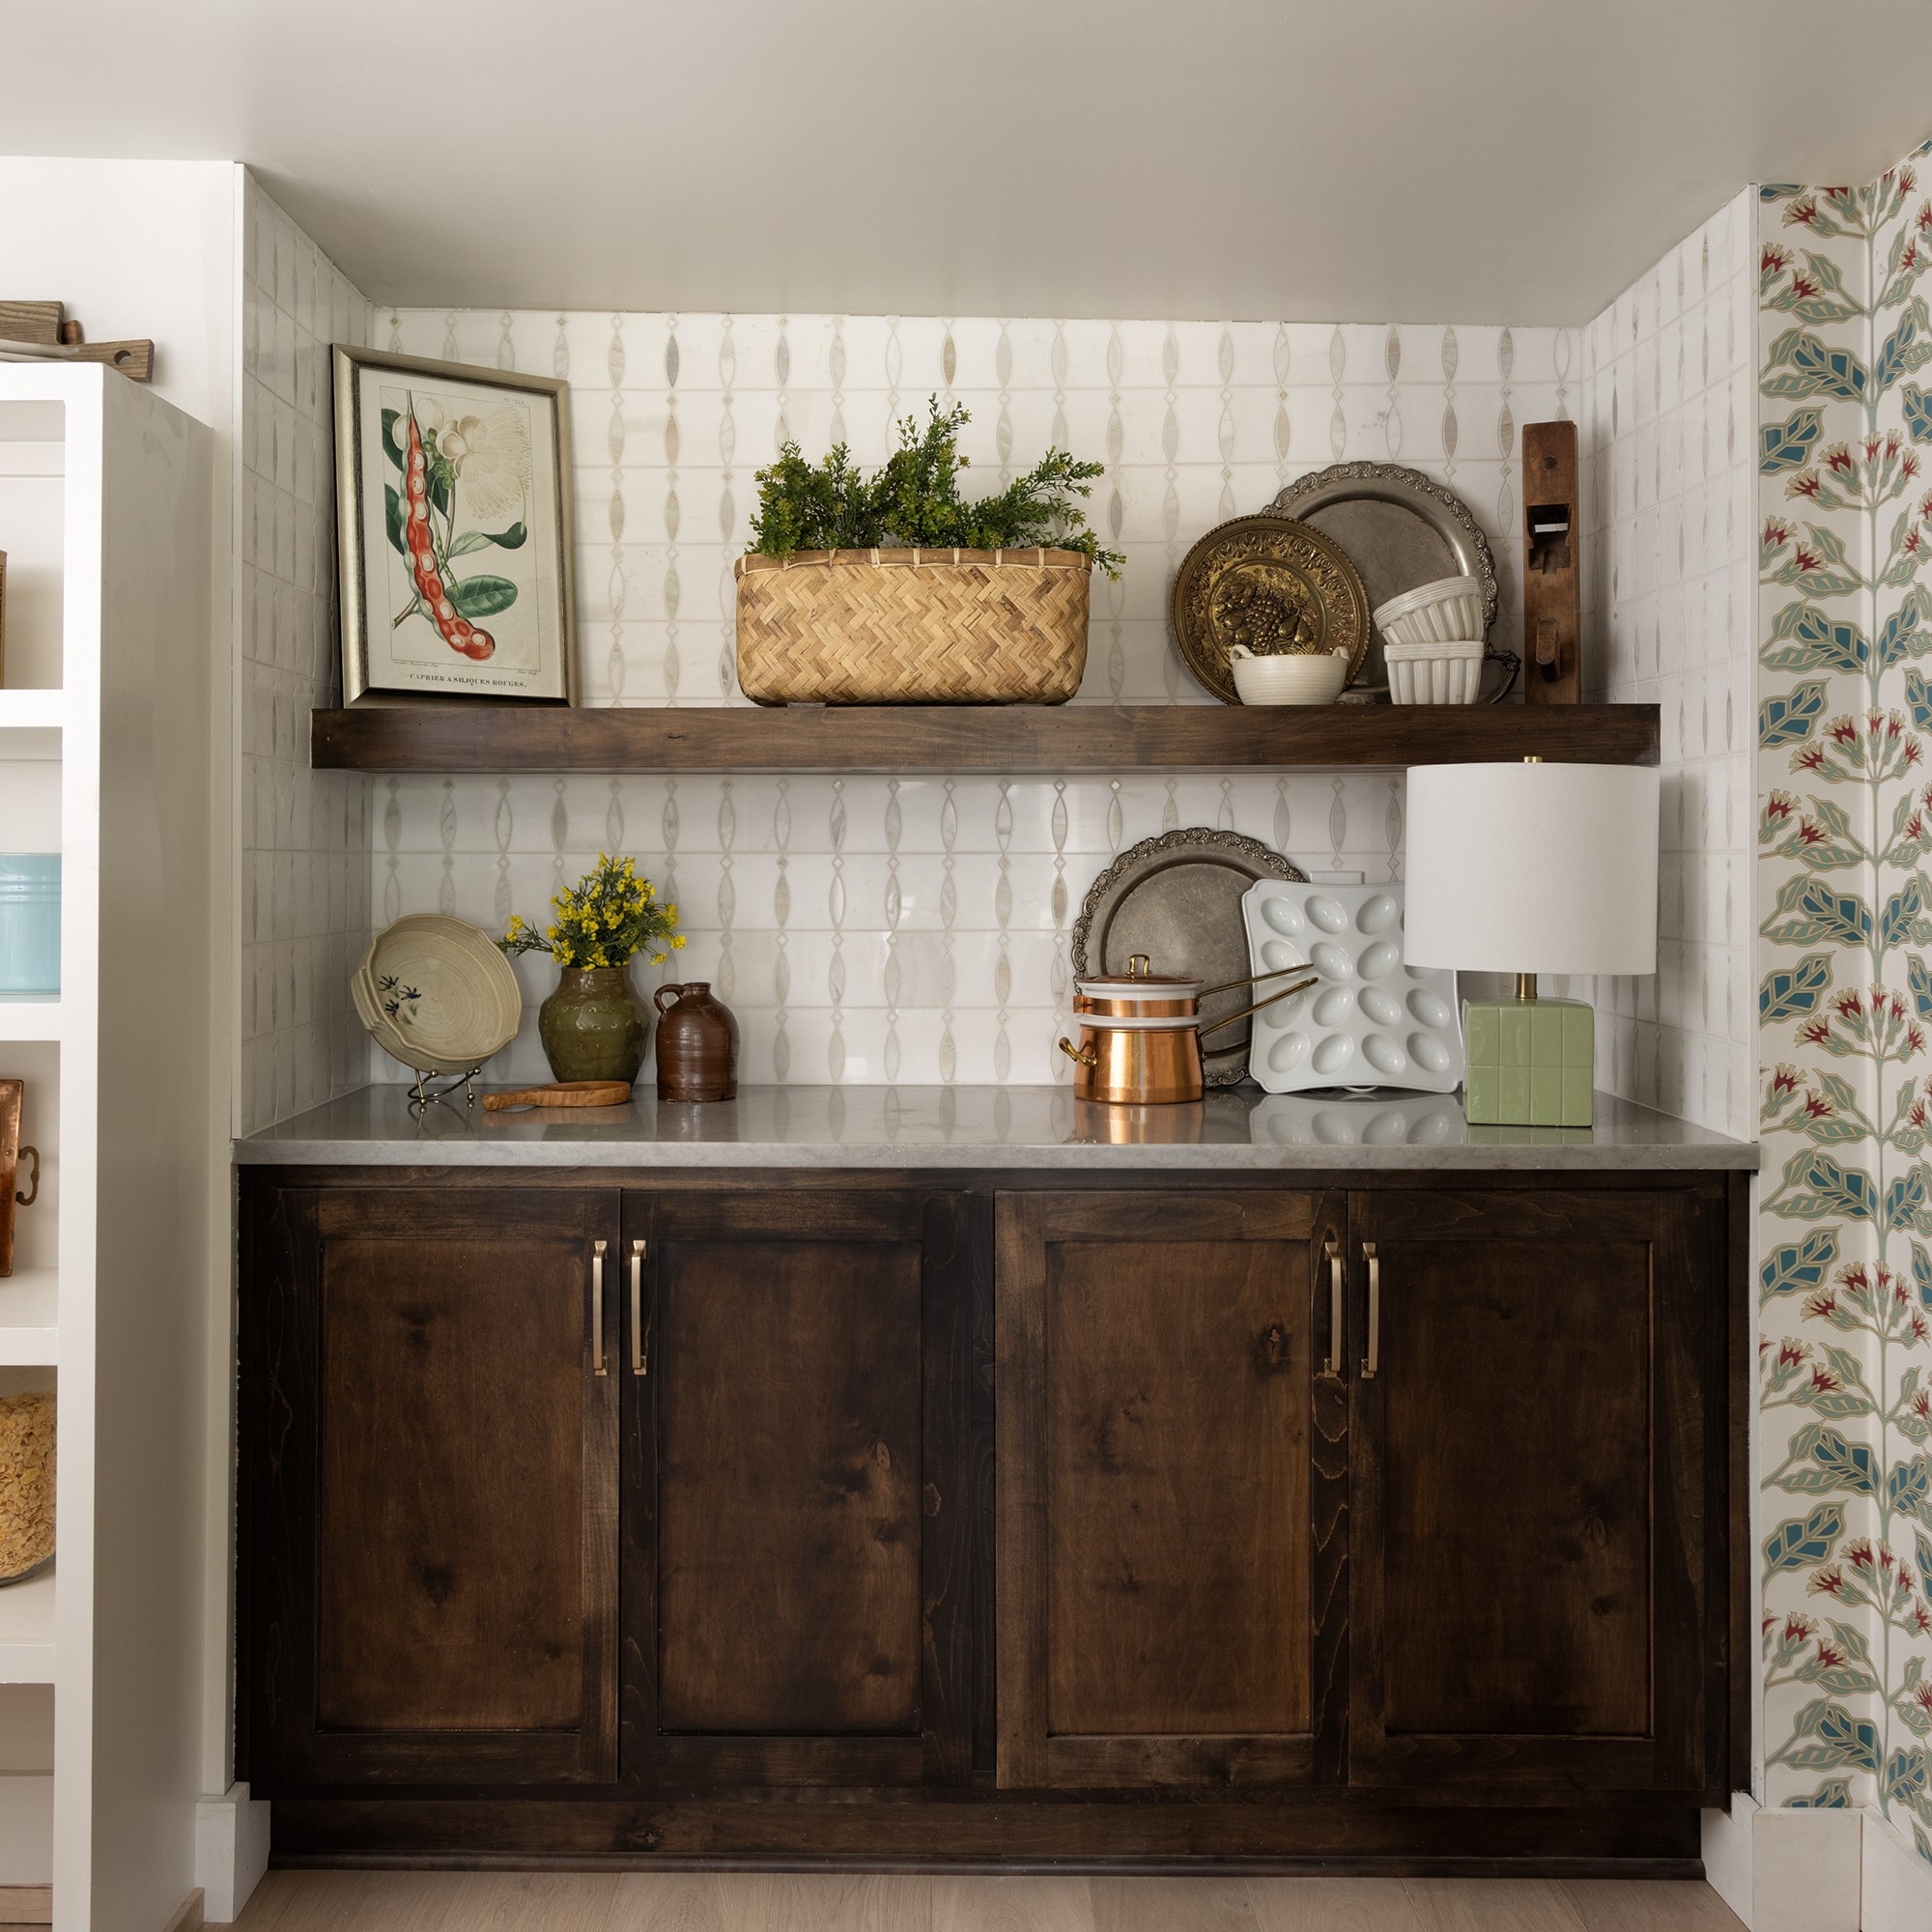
x=1372 y=1021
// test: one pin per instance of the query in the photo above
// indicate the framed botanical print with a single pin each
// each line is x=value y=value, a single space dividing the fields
x=453 y=530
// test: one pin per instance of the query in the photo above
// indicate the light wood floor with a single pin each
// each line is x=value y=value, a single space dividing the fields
x=344 y=1901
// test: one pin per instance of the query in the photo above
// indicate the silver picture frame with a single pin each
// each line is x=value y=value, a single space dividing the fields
x=373 y=670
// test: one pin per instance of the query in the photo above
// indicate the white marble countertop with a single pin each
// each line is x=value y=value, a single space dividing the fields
x=983 y=1127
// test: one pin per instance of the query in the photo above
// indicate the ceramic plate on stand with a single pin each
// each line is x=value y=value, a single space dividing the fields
x=1401 y=530
x=1372 y=1020
x=1177 y=899
x=436 y=994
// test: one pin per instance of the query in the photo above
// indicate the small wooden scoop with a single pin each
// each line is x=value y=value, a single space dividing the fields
x=567 y=1093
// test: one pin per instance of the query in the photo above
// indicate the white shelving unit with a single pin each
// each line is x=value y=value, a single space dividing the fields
x=106 y=513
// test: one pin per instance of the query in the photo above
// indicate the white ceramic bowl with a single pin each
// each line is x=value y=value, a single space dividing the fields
x=1441 y=612
x=1441 y=673
x=1292 y=678
x=438 y=994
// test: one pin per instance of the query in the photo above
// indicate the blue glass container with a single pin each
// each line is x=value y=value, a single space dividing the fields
x=30 y=894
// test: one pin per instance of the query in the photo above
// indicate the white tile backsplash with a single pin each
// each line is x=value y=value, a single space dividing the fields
x=1667 y=415
x=305 y=835
x=866 y=930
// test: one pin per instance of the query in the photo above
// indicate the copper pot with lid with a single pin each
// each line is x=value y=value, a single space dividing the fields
x=1140 y=1033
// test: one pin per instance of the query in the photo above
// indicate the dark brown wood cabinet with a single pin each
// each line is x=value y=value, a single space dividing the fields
x=429 y=1489
x=795 y=1488
x=1537 y=1589
x=1162 y=1520
x=1158 y=1519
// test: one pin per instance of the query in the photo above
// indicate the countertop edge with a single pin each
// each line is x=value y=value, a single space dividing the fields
x=1733 y=1157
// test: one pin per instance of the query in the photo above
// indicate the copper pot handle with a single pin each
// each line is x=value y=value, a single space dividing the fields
x=1081 y=1056
x=1249 y=980
x=1286 y=993
x=658 y=998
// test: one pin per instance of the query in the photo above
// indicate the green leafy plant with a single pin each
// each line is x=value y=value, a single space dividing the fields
x=915 y=502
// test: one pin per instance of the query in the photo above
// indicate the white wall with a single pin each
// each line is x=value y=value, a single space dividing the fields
x=134 y=248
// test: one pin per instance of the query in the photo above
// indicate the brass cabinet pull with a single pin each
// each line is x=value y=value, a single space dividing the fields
x=641 y=1342
x=1332 y=1366
x=1372 y=1359
x=597 y=1367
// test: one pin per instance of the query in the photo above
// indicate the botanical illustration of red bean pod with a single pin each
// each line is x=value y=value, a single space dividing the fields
x=457 y=631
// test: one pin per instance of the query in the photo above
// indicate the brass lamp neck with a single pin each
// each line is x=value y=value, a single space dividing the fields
x=1525 y=985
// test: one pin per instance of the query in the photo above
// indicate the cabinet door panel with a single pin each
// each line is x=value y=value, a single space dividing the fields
x=1531 y=1556
x=787 y=1488
x=431 y=1460
x=1524 y=1530
x=796 y=1492
x=452 y=1598
x=1167 y=1365
x=1157 y=1494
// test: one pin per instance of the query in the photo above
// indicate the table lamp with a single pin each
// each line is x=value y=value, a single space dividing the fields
x=1531 y=868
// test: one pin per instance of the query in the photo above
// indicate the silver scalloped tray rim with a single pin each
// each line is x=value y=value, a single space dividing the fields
x=1229 y=848
x=1436 y=503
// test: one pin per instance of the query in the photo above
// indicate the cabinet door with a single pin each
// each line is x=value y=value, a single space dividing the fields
x=1169 y=1476
x=1533 y=1574
x=432 y=1462
x=795 y=1488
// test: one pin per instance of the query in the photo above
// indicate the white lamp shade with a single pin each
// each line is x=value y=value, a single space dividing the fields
x=1532 y=868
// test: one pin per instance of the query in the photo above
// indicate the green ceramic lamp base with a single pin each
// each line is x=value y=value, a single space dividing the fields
x=1531 y=1063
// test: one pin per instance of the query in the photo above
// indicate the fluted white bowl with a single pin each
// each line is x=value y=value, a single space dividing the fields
x=1434 y=674
x=1445 y=611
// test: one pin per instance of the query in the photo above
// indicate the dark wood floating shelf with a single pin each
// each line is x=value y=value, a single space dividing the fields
x=992 y=738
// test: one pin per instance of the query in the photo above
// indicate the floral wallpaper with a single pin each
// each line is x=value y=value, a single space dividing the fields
x=1845 y=999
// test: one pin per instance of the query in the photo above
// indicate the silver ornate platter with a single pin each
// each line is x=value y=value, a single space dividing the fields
x=1400 y=529
x=1177 y=899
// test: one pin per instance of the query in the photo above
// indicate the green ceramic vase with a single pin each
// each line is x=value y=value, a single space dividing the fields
x=594 y=1026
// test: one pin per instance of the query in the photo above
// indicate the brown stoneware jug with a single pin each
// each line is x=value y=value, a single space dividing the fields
x=698 y=1044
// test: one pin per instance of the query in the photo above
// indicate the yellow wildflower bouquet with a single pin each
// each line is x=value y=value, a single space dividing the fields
x=607 y=919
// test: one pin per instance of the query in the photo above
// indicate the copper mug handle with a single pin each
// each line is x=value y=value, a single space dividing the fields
x=1081 y=1056
x=658 y=998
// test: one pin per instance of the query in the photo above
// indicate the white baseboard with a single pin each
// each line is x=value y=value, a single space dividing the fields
x=1816 y=1871
x=1895 y=1884
x=231 y=1852
x=1727 y=1853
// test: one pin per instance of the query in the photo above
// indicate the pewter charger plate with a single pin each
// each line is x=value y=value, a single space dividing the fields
x=1177 y=899
x=1400 y=529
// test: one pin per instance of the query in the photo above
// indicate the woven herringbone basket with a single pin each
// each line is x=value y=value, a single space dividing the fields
x=913 y=626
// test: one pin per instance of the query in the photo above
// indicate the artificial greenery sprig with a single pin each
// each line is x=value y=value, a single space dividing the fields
x=914 y=502
x=607 y=919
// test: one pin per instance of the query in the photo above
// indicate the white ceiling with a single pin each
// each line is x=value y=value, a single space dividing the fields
x=1462 y=159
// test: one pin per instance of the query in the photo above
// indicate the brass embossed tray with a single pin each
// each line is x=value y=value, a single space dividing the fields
x=1273 y=584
